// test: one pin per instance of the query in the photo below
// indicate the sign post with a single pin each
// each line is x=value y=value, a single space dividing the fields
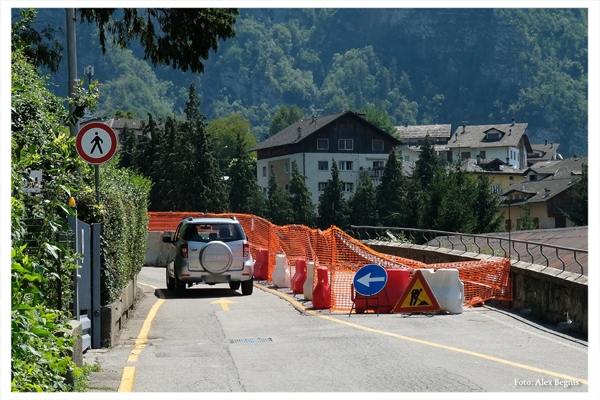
x=96 y=143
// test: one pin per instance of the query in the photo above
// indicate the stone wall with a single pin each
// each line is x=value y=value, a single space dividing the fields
x=546 y=293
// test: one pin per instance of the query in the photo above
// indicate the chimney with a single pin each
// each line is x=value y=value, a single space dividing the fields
x=546 y=143
x=509 y=132
x=463 y=128
x=313 y=119
x=507 y=161
x=361 y=114
x=406 y=124
x=299 y=132
x=551 y=144
x=513 y=121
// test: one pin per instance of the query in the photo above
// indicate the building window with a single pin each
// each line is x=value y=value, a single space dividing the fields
x=272 y=170
x=406 y=158
x=322 y=144
x=508 y=224
x=510 y=178
x=322 y=186
x=345 y=165
x=323 y=165
x=532 y=177
x=493 y=136
x=466 y=155
x=345 y=144
x=264 y=171
x=378 y=169
x=286 y=168
x=496 y=188
x=482 y=154
x=265 y=191
x=377 y=145
x=287 y=187
x=348 y=186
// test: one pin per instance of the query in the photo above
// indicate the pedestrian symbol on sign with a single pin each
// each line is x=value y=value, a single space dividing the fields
x=96 y=142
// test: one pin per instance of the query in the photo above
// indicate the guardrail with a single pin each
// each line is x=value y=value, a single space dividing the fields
x=474 y=240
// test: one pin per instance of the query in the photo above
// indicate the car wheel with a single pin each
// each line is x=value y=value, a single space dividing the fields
x=247 y=287
x=170 y=282
x=179 y=286
x=234 y=285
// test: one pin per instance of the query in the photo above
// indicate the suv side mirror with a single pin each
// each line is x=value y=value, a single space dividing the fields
x=167 y=239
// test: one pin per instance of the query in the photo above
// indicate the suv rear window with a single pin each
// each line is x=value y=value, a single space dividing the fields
x=209 y=232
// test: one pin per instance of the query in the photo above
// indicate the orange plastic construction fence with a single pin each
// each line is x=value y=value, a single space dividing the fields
x=344 y=255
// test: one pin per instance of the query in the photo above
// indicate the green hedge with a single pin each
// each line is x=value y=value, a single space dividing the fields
x=123 y=213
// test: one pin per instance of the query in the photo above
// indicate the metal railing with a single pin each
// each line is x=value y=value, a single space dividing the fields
x=472 y=240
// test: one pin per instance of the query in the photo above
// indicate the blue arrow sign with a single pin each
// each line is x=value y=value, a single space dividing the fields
x=370 y=279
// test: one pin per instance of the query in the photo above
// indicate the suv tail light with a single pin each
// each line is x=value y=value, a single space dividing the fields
x=246 y=249
x=184 y=250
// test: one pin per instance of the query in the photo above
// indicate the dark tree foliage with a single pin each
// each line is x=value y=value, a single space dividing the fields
x=41 y=49
x=279 y=207
x=333 y=207
x=180 y=37
x=245 y=196
x=147 y=148
x=485 y=206
x=127 y=147
x=393 y=205
x=363 y=202
x=207 y=188
x=427 y=164
x=579 y=193
x=284 y=118
x=304 y=209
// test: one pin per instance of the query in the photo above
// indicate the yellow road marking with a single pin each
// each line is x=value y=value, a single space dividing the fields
x=127 y=379
x=223 y=303
x=441 y=346
x=129 y=372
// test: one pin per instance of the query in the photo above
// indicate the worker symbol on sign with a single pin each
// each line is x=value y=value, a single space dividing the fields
x=96 y=142
x=414 y=298
x=417 y=296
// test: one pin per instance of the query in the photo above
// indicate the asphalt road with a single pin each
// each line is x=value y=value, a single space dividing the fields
x=216 y=340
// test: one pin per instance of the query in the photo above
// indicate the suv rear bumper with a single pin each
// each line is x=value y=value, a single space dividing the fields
x=184 y=274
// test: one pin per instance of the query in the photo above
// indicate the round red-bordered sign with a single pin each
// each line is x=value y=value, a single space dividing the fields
x=96 y=143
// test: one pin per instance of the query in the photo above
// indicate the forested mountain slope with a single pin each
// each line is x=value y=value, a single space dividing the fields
x=422 y=66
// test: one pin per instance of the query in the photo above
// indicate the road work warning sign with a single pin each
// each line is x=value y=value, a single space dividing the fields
x=417 y=297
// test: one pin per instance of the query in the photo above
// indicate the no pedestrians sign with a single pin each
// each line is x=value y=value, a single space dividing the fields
x=96 y=143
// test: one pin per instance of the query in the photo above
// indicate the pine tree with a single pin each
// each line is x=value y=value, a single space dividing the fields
x=333 y=208
x=279 y=207
x=393 y=204
x=363 y=202
x=147 y=148
x=304 y=209
x=579 y=193
x=426 y=165
x=206 y=191
x=245 y=195
x=127 y=148
x=486 y=206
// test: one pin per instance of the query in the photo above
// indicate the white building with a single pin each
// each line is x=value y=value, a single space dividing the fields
x=313 y=143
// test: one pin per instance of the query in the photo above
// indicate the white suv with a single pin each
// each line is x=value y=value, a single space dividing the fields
x=210 y=250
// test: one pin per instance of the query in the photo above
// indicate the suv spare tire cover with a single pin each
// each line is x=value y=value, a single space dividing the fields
x=216 y=257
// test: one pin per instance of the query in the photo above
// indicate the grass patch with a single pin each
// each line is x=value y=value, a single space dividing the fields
x=82 y=381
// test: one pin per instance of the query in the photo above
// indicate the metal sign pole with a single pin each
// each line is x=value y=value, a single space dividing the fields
x=97 y=168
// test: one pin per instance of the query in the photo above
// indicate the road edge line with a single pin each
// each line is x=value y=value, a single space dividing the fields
x=303 y=309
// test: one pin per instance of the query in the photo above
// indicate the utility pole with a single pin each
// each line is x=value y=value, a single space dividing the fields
x=72 y=63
